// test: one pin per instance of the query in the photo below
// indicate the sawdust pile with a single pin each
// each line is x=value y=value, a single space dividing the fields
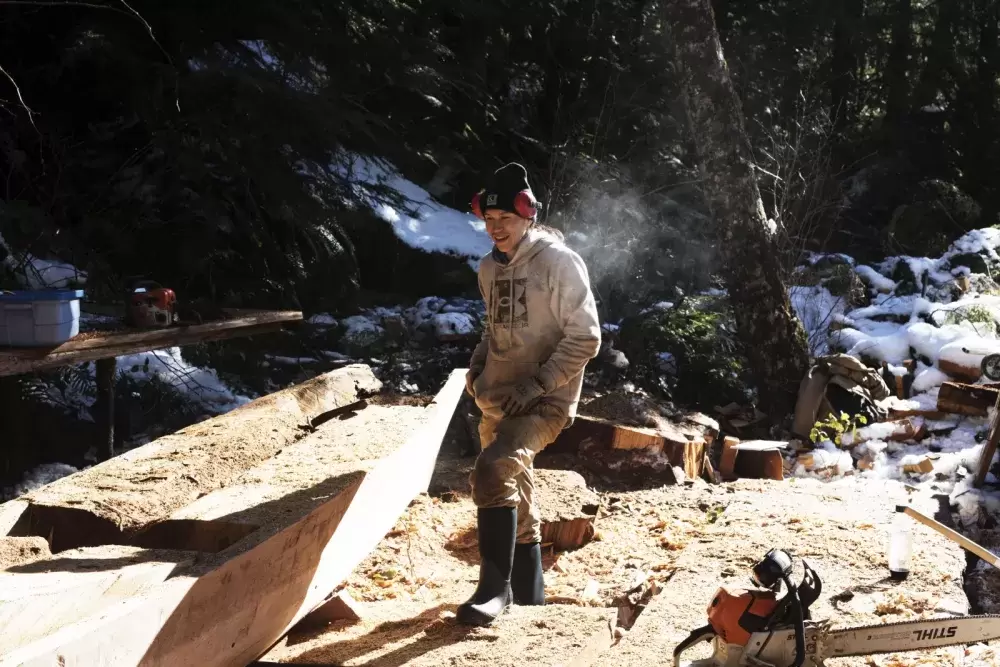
x=22 y=550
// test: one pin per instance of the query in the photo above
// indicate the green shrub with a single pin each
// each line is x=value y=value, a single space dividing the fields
x=701 y=335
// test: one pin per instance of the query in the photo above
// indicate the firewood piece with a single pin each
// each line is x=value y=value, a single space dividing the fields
x=968 y=373
x=727 y=462
x=922 y=467
x=966 y=399
x=760 y=459
x=569 y=509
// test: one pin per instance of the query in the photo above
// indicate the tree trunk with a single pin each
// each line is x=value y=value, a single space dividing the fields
x=844 y=62
x=897 y=106
x=774 y=341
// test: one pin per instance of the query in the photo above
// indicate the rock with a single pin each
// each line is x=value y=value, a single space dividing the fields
x=361 y=335
x=453 y=326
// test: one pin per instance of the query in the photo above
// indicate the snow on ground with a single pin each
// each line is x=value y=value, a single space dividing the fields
x=37 y=273
x=932 y=311
x=427 y=225
x=201 y=385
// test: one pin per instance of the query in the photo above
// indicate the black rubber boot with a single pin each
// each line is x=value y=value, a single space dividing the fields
x=497 y=531
x=526 y=581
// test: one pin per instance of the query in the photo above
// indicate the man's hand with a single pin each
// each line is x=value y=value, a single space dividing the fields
x=522 y=397
x=470 y=379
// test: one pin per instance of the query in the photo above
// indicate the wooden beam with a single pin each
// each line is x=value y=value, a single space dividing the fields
x=226 y=610
x=966 y=399
x=15 y=361
x=989 y=449
x=110 y=502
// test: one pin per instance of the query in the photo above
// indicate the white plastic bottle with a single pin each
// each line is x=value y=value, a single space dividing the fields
x=900 y=545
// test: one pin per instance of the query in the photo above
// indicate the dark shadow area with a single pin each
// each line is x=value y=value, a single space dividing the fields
x=436 y=633
x=68 y=565
x=193 y=535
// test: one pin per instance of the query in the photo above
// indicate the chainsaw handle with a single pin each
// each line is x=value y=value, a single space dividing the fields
x=703 y=634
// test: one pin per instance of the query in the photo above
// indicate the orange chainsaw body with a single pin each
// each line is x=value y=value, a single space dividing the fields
x=152 y=307
x=736 y=614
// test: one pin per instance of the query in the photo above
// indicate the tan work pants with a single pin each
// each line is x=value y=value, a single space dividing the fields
x=504 y=475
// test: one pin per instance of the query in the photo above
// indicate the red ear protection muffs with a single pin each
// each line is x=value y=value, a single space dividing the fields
x=525 y=205
x=475 y=207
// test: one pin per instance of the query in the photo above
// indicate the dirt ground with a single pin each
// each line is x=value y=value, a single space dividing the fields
x=685 y=540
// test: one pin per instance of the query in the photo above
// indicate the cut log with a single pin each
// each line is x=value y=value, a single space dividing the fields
x=228 y=608
x=110 y=502
x=960 y=372
x=569 y=509
x=922 y=467
x=611 y=446
x=760 y=459
x=727 y=461
x=966 y=399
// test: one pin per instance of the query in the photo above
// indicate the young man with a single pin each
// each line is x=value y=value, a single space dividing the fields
x=526 y=375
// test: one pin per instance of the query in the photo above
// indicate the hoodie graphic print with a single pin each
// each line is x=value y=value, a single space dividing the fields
x=541 y=322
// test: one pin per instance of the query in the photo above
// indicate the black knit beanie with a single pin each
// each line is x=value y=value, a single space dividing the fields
x=503 y=188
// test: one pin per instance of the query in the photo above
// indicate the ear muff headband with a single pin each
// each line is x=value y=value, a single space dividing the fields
x=525 y=205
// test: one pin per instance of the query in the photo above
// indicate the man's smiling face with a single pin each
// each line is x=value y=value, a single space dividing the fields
x=506 y=229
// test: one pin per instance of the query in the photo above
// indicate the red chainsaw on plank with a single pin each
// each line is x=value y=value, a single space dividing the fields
x=754 y=628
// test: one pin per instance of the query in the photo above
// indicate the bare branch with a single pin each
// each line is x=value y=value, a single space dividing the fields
x=20 y=97
x=65 y=3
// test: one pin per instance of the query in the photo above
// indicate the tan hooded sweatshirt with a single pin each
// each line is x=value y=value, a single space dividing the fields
x=541 y=322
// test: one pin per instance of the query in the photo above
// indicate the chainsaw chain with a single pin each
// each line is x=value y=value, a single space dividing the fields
x=830 y=632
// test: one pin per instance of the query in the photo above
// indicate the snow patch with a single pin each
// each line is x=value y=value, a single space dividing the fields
x=428 y=225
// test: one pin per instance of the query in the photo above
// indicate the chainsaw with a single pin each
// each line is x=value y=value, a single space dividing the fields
x=754 y=628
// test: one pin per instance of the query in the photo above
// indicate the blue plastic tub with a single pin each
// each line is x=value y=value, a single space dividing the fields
x=39 y=318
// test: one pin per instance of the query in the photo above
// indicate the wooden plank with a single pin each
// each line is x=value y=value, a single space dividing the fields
x=109 y=502
x=966 y=399
x=14 y=361
x=14 y=518
x=39 y=598
x=229 y=609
